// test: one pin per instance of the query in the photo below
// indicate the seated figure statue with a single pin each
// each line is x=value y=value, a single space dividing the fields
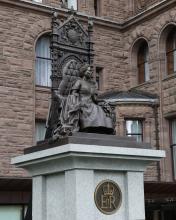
x=81 y=110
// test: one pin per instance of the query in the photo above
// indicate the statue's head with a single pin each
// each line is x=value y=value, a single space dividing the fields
x=85 y=70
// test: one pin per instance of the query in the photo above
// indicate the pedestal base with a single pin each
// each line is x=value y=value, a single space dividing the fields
x=65 y=179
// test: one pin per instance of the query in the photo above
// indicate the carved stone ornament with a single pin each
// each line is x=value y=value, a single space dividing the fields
x=72 y=33
x=108 y=197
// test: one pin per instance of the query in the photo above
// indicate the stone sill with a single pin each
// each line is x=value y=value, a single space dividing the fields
x=144 y=84
x=170 y=115
x=43 y=89
x=169 y=77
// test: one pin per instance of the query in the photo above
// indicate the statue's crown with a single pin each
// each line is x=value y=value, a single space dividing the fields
x=108 y=190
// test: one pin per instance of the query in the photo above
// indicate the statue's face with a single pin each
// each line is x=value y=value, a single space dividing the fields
x=88 y=72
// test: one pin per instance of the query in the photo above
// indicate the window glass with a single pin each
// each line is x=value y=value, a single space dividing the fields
x=174 y=132
x=99 y=71
x=171 y=52
x=174 y=160
x=43 y=62
x=72 y=3
x=40 y=129
x=11 y=212
x=142 y=63
x=37 y=0
x=134 y=129
x=97 y=7
x=146 y=67
x=173 y=143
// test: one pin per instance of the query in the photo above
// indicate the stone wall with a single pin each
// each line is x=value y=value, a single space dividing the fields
x=159 y=83
x=18 y=32
x=22 y=102
x=141 y=5
x=117 y=10
x=144 y=113
x=109 y=9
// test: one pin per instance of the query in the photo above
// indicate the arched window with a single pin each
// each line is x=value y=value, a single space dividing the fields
x=171 y=52
x=43 y=61
x=142 y=63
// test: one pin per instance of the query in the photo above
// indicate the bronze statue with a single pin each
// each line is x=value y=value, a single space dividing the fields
x=75 y=105
x=81 y=110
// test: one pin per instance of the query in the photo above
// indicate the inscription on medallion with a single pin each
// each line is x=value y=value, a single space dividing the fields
x=108 y=197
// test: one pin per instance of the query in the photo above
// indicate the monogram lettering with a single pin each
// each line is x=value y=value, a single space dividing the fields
x=107 y=197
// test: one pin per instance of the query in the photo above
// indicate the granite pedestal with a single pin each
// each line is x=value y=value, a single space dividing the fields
x=66 y=173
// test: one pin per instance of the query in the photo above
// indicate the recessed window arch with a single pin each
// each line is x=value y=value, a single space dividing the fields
x=171 y=51
x=143 y=62
x=43 y=61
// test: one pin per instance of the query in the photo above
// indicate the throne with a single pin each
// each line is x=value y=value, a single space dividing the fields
x=71 y=47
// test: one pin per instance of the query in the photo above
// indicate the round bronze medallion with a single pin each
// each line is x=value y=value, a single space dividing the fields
x=108 y=197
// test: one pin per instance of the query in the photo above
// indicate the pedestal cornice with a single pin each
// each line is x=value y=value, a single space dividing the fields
x=88 y=156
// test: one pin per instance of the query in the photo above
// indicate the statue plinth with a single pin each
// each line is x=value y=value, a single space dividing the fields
x=88 y=176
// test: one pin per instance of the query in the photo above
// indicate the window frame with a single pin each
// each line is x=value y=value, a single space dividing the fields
x=172 y=145
x=97 y=8
x=47 y=83
x=141 y=120
x=66 y=2
x=38 y=1
x=22 y=206
x=98 y=77
x=143 y=63
x=171 y=52
x=43 y=122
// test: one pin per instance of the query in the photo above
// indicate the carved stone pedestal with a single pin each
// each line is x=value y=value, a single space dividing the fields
x=88 y=177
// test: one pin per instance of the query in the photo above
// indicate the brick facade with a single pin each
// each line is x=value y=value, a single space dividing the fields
x=20 y=29
x=122 y=24
x=159 y=83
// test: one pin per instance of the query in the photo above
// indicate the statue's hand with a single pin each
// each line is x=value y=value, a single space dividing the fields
x=57 y=96
x=74 y=92
x=95 y=98
x=55 y=92
x=106 y=107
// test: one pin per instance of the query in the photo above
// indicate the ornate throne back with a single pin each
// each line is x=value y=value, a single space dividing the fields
x=71 y=46
x=69 y=77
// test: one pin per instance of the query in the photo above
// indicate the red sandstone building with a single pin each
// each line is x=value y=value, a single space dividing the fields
x=135 y=67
